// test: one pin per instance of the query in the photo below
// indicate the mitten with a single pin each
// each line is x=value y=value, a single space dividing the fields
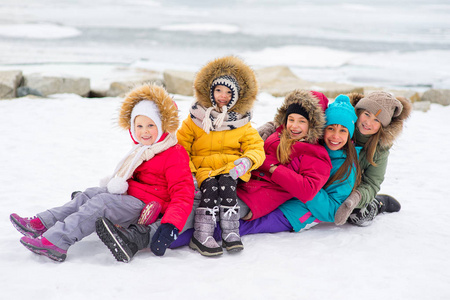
x=149 y=213
x=164 y=236
x=266 y=130
x=195 y=181
x=242 y=166
x=197 y=192
x=347 y=207
x=295 y=164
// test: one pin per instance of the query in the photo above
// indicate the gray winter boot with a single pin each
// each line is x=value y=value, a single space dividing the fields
x=229 y=223
x=203 y=240
x=123 y=243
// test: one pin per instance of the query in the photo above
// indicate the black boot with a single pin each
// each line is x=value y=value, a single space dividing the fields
x=123 y=243
x=381 y=203
x=387 y=203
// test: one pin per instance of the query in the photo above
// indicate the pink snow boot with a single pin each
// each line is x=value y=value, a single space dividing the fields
x=42 y=246
x=31 y=227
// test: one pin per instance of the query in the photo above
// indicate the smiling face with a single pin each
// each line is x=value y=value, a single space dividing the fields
x=222 y=95
x=368 y=123
x=335 y=136
x=145 y=130
x=297 y=126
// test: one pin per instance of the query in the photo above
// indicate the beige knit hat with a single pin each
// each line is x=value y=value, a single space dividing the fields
x=382 y=104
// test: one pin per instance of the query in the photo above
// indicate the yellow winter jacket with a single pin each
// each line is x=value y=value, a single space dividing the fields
x=214 y=153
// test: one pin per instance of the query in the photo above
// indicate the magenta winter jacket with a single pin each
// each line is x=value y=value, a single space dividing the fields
x=302 y=178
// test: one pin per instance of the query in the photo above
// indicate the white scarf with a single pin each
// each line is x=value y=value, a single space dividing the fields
x=211 y=120
x=117 y=182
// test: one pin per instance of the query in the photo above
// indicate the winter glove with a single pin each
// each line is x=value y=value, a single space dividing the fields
x=242 y=166
x=266 y=130
x=347 y=207
x=164 y=236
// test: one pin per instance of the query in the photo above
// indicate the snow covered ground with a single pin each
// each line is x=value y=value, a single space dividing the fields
x=51 y=147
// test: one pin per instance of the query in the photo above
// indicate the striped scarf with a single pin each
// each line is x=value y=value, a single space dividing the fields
x=210 y=119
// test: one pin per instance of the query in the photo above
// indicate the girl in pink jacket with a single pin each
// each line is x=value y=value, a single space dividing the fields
x=296 y=165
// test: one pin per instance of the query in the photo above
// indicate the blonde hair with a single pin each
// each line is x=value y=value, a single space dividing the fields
x=284 y=148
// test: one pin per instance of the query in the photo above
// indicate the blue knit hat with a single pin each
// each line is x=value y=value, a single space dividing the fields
x=341 y=112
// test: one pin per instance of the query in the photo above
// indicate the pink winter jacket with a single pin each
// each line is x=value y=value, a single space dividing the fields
x=302 y=178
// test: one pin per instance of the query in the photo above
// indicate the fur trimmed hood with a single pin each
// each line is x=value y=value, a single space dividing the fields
x=311 y=104
x=167 y=107
x=395 y=128
x=228 y=65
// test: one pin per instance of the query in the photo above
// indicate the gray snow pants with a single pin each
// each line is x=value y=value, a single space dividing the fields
x=75 y=220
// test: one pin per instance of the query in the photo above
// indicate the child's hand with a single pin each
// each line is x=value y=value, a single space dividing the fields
x=164 y=236
x=347 y=207
x=268 y=163
x=242 y=166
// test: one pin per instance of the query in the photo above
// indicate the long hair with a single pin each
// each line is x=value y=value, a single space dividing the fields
x=371 y=146
x=344 y=171
x=284 y=148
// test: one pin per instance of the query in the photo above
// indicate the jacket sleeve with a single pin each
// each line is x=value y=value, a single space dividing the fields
x=253 y=147
x=327 y=201
x=180 y=186
x=186 y=136
x=311 y=177
x=372 y=178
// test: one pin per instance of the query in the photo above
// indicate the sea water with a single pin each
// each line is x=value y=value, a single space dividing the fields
x=386 y=43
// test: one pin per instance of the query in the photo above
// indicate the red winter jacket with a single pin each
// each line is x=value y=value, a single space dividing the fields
x=302 y=178
x=166 y=178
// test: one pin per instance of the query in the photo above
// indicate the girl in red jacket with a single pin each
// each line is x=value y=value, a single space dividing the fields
x=155 y=173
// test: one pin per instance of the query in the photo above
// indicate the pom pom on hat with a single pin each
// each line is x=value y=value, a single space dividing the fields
x=341 y=112
x=382 y=104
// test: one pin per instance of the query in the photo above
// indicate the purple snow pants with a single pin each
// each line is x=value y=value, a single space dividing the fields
x=271 y=223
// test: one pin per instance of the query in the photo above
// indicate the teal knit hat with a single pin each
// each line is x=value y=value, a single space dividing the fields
x=341 y=112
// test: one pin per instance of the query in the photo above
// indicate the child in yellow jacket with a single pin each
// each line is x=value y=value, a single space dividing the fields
x=223 y=146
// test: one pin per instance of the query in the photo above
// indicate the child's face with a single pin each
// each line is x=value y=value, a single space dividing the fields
x=297 y=126
x=335 y=136
x=145 y=130
x=222 y=95
x=368 y=123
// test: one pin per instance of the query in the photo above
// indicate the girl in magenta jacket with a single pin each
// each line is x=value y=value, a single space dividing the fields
x=155 y=174
x=296 y=165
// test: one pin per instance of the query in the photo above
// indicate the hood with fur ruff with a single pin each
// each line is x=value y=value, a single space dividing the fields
x=167 y=107
x=395 y=128
x=228 y=65
x=313 y=107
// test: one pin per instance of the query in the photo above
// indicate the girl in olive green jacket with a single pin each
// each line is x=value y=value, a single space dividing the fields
x=380 y=122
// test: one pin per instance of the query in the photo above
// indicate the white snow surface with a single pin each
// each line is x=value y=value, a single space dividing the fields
x=51 y=147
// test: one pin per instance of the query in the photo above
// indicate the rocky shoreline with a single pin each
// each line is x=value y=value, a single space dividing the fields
x=276 y=80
